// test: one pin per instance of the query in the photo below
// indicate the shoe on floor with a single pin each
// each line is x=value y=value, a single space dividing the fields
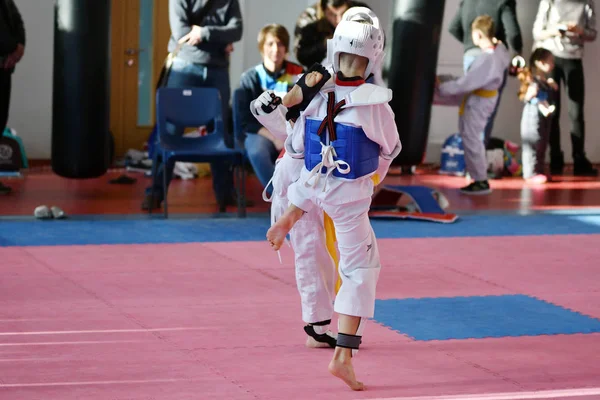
x=583 y=167
x=538 y=179
x=42 y=212
x=57 y=213
x=477 y=188
x=4 y=189
x=148 y=199
x=557 y=163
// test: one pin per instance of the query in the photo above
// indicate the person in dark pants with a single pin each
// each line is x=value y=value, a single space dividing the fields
x=203 y=61
x=12 y=48
x=563 y=27
x=504 y=15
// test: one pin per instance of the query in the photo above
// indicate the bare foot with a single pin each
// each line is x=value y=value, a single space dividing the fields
x=294 y=96
x=345 y=371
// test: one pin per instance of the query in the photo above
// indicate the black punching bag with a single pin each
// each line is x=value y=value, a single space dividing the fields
x=412 y=70
x=81 y=93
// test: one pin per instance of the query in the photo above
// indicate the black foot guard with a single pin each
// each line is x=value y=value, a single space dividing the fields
x=321 y=338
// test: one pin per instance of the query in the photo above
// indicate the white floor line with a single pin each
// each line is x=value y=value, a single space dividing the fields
x=26 y=319
x=101 y=331
x=541 y=394
x=70 y=343
x=90 y=383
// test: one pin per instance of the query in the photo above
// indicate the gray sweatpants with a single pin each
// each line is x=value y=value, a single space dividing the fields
x=473 y=121
x=535 y=131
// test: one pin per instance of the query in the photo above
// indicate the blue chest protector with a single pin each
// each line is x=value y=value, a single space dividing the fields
x=351 y=145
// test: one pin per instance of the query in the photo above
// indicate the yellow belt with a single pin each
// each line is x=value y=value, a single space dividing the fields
x=330 y=239
x=479 y=92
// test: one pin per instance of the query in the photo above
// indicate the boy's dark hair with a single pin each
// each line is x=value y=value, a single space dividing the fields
x=484 y=24
x=323 y=4
x=276 y=30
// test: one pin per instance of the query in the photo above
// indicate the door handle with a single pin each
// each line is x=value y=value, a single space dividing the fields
x=132 y=52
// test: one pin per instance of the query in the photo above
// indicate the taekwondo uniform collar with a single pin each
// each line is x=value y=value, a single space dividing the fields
x=340 y=80
x=492 y=48
x=361 y=95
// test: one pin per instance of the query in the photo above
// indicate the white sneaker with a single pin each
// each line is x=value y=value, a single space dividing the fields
x=57 y=212
x=42 y=212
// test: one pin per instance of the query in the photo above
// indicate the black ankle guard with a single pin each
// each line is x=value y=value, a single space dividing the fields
x=308 y=92
x=321 y=338
x=348 y=341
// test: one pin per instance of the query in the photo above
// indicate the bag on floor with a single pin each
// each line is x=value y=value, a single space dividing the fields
x=453 y=156
x=11 y=159
x=510 y=151
x=11 y=133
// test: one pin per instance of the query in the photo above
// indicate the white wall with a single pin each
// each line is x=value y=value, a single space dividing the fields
x=31 y=100
x=31 y=111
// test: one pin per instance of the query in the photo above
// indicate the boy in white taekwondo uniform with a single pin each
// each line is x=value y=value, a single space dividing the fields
x=316 y=273
x=477 y=93
x=346 y=135
x=313 y=237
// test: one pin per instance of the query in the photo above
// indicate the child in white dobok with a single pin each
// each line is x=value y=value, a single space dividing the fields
x=346 y=134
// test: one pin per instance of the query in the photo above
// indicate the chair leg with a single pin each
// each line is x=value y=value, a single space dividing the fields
x=154 y=171
x=165 y=195
x=242 y=191
x=238 y=190
x=151 y=198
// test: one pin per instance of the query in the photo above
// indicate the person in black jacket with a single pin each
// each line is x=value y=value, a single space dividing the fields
x=12 y=48
x=315 y=25
x=508 y=31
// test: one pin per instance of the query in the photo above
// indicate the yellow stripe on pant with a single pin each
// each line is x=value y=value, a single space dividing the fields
x=479 y=92
x=330 y=240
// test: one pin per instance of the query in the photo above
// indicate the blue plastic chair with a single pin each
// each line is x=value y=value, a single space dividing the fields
x=194 y=107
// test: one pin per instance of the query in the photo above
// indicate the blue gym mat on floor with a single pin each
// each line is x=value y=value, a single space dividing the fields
x=477 y=317
x=93 y=230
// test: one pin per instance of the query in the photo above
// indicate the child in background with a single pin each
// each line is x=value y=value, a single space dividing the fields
x=477 y=94
x=537 y=91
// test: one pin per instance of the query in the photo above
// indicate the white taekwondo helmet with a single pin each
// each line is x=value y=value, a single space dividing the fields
x=356 y=37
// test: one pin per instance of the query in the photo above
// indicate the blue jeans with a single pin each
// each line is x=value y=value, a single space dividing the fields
x=262 y=155
x=186 y=74
x=468 y=59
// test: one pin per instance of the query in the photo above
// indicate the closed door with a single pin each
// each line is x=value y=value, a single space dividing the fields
x=140 y=33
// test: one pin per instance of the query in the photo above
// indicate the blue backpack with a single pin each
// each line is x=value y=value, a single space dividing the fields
x=453 y=156
x=14 y=145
